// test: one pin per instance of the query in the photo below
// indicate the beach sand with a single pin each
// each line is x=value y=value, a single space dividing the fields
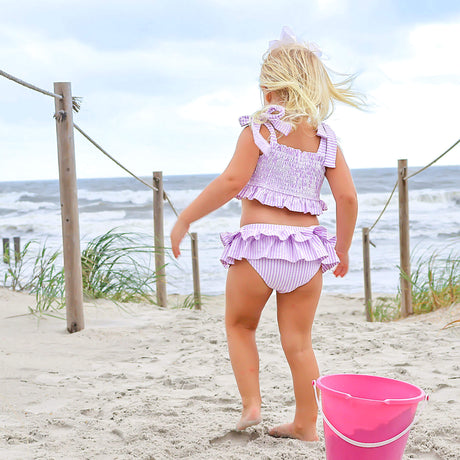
x=157 y=383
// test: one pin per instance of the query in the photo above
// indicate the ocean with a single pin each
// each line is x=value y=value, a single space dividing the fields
x=31 y=211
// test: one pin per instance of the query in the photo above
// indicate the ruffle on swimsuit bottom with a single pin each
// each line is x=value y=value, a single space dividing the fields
x=257 y=241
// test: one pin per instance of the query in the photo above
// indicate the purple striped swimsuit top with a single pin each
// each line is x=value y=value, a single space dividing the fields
x=286 y=177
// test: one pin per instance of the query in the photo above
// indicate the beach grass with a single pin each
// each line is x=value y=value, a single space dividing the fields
x=116 y=266
x=188 y=302
x=37 y=274
x=435 y=283
x=13 y=277
x=47 y=283
x=385 y=308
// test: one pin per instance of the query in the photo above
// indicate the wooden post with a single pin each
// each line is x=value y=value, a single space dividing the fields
x=367 y=275
x=159 y=238
x=69 y=208
x=6 y=250
x=17 y=249
x=196 y=272
x=404 y=242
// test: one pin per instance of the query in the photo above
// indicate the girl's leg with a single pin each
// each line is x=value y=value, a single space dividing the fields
x=245 y=297
x=296 y=311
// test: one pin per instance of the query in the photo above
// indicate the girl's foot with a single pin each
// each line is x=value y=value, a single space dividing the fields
x=289 y=430
x=249 y=417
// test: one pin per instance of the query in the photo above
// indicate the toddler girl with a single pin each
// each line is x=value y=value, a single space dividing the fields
x=281 y=159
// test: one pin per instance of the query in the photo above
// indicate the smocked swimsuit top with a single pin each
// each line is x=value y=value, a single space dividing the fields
x=286 y=177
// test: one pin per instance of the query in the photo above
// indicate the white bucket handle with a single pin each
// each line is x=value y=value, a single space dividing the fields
x=367 y=444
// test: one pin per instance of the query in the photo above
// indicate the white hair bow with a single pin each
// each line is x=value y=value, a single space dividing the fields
x=288 y=38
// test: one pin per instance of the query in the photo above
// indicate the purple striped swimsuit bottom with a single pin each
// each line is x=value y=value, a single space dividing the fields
x=285 y=257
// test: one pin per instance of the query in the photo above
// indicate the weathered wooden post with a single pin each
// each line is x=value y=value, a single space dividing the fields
x=69 y=208
x=159 y=238
x=6 y=250
x=17 y=248
x=196 y=271
x=367 y=275
x=404 y=242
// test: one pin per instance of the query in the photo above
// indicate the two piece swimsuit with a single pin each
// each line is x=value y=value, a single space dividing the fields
x=286 y=257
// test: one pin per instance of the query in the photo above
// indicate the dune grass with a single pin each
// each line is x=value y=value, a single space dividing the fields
x=435 y=283
x=13 y=277
x=385 y=308
x=47 y=283
x=116 y=266
x=39 y=275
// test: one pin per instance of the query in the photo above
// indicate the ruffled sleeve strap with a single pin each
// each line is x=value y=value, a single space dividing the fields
x=331 y=146
x=271 y=118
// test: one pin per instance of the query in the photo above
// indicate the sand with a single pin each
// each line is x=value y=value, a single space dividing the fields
x=157 y=383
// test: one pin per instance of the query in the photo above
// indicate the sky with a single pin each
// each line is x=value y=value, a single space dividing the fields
x=164 y=82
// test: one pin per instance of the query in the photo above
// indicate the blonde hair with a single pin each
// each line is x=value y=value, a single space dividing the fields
x=302 y=83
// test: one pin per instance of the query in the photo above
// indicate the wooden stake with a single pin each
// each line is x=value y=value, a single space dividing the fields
x=159 y=238
x=404 y=240
x=196 y=272
x=6 y=250
x=367 y=275
x=17 y=248
x=69 y=208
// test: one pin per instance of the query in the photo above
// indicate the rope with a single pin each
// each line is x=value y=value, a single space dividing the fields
x=28 y=85
x=113 y=159
x=408 y=177
x=76 y=101
x=385 y=207
x=76 y=107
x=166 y=197
x=433 y=162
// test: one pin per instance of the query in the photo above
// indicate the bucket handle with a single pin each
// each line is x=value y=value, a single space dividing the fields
x=367 y=444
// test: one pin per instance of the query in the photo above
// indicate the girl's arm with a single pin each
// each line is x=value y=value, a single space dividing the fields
x=344 y=192
x=220 y=190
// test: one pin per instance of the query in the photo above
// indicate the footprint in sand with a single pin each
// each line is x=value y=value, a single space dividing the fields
x=240 y=437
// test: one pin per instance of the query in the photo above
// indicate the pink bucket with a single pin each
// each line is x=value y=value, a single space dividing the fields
x=367 y=417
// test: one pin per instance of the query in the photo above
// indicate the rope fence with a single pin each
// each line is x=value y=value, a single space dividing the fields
x=65 y=104
x=76 y=107
x=165 y=195
x=28 y=85
x=111 y=157
x=407 y=178
x=76 y=101
x=65 y=128
x=404 y=242
x=433 y=162
x=385 y=207
x=159 y=196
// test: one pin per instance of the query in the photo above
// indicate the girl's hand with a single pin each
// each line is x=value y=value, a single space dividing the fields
x=341 y=269
x=177 y=234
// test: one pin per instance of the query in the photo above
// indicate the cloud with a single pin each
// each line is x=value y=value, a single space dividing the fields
x=332 y=7
x=434 y=49
x=75 y=58
x=165 y=91
x=222 y=108
x=157 y=65
x=414 y=120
